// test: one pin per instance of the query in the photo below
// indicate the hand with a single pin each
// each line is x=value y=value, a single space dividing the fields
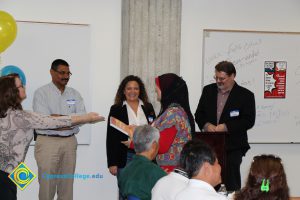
x=127 y=143
x=221 y=128
x=131 y=130
x=211 y=128
x=113 y=170
x=95 y=117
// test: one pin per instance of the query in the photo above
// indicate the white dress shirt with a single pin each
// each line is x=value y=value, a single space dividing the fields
x=168 y=186
x=136 y=119
x=199 y=190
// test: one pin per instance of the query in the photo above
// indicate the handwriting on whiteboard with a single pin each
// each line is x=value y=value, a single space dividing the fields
x=269 y=114
x=242 y=54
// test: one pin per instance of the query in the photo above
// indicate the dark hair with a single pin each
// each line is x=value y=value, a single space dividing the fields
x=58 y=62
x=268 y=167
x=185 y=152
x=227 y=67
x=120 y=97
x=9 y=97
x=174 y=90
x=196 y=154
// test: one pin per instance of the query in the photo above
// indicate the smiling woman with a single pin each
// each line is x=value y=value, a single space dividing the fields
x=131 y=107
x=16 y=129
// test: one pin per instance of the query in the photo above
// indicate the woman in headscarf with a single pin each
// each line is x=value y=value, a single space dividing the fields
x=175 y=120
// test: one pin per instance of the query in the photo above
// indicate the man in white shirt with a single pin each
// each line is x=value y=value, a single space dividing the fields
x=205 y=172
x=168 y=186
x=55 y=149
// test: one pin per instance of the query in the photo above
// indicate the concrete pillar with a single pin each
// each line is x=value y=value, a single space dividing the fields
x=150 y=40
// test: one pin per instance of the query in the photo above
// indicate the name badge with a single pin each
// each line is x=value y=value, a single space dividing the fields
x=71 y=101
x=234 y=113
x=150 y=119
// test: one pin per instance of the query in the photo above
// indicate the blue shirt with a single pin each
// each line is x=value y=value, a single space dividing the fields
x=49 y=100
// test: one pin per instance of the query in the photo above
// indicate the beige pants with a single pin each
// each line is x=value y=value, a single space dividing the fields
x=55 y=156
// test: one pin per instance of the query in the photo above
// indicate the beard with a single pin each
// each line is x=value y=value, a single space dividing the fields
x=220 y=86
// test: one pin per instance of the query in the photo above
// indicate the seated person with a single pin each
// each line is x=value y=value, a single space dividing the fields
x=141 y=174
x=266 y=180
x=168 y=186
x=205 y=172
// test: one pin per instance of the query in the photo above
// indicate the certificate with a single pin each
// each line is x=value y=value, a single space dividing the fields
x=120 y=126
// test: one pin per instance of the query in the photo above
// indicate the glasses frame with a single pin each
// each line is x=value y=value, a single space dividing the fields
x=62 y=73
x=222 y=79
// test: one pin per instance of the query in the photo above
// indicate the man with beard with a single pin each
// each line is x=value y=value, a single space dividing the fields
x=55 y=150
x=225 y=106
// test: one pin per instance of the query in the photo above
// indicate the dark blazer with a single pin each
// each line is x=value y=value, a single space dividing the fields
x=115 y=150
x=238 y=114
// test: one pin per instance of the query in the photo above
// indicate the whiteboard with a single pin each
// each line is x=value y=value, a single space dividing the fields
x=277 y=119
x=37 y=44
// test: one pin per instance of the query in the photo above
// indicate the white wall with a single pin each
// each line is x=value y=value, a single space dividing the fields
x=268 y=15
x=104 y=16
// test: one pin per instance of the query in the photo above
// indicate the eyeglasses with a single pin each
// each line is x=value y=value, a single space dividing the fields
x=63 y=73
x=220 y=78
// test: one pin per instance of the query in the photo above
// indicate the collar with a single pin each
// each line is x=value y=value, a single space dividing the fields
x=56 y=89
x=141 y=157
x=181 y=172
x=202 y=184
x=141 y=103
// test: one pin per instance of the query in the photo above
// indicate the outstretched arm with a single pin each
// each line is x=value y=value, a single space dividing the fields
x=91 y=117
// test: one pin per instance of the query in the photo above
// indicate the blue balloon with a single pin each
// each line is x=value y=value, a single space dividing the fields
x=11 y=69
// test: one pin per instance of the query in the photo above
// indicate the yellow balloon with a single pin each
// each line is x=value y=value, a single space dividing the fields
x=8 y=30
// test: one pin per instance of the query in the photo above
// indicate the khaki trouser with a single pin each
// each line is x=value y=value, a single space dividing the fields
x=55 y=156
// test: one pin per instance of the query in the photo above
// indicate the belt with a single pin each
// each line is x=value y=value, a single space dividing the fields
x=56 y=135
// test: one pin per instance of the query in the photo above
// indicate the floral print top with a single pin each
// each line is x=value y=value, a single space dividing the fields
x=174 y=115
x=16 y=133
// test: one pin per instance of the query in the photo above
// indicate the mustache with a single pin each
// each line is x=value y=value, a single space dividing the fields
x=65 y=79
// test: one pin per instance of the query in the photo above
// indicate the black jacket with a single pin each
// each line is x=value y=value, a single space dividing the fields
x=115 y=150
x=238 y=114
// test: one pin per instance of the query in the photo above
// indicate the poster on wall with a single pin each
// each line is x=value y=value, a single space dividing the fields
x=275 y=79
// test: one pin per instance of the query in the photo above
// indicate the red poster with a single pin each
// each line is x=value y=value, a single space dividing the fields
x=275 y=79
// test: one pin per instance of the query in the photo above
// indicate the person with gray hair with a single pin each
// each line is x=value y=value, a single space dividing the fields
x=140 y=175
x=144 y=138
x=205 y=172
